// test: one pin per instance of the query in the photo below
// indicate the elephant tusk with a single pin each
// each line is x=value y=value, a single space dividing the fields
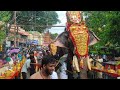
x=88 y=63
x=76 y=64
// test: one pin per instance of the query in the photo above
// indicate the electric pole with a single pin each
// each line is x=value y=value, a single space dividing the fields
x=15 y=28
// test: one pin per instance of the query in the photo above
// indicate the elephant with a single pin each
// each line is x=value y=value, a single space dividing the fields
x=65 y=45
x=75 y=41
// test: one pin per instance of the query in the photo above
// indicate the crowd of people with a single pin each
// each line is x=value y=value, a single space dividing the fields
x=47 y=66
x=41 y=64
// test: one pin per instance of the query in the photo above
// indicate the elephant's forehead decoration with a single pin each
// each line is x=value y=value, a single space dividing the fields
x=74 y=16
x=78 y=32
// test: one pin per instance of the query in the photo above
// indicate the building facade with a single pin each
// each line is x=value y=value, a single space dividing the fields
x=17 y=36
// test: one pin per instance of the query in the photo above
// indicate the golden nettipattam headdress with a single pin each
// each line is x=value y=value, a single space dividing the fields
x=73 y=16
x=78 y=32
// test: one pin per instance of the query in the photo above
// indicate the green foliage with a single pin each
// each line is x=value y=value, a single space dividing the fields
x=36 y=20
x=5 y=17
x=2 y=36
x=106 y=25
x=30 y=20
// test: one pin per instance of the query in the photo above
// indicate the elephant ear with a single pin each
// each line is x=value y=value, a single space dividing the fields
x=58 y=43
x=62 y=40
x=93 y=38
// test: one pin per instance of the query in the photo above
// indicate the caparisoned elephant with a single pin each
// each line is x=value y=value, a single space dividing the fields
x=63 y=42
x=76 y=39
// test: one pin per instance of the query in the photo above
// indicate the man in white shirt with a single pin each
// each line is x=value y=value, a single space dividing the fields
x=62 y=70
x=25 y=68
x=63 y=74
x=54 y=75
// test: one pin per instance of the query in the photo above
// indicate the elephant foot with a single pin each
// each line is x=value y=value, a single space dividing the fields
x=83 y=74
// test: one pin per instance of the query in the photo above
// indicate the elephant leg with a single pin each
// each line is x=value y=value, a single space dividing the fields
x=69 y=68
x=83 y=72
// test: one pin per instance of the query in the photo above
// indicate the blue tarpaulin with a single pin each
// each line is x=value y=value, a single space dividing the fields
x=34 y=42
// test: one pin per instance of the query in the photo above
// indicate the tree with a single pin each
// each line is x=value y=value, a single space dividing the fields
x=5 y=17
x=30 y=20
x=36 y=20
x=106 y=26
x=115 y=28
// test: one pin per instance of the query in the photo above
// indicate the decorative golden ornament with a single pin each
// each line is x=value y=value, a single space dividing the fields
x=53 y=49
x=74 y=16
x=80 y=37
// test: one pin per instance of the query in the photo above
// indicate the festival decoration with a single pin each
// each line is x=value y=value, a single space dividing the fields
x=78 y=32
